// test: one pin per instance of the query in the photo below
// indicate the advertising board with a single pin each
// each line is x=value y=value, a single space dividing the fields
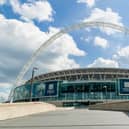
x=124 y=86
x=51 y=88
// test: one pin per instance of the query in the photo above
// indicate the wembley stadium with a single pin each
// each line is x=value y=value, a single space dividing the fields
x=76 y=86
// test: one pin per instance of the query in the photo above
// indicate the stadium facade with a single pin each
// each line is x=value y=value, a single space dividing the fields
x=76 y=86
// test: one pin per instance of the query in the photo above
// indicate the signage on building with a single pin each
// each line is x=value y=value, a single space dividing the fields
x=124 y=86
x=51 y=88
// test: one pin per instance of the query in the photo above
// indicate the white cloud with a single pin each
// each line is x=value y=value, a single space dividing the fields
x=20 y=34
x=65 y=45
x=20 y=39
x=86 y=39
x=5 y=85
x=122 y=55
x=4 y=91
x=90 y=3
x=38 y=10
x=124 y=52
x=59 y=63
x=3 y=96
x=101 y=62
x=2 y=17
x=101 y=42
x=2 y=2
x=59 y=53
x=105 y=16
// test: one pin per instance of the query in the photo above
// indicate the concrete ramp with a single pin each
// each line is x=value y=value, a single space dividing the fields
x=111 y=106
x=14 y=110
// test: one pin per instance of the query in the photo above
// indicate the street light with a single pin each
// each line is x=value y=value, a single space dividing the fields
x=105 y=87
x=31 y=85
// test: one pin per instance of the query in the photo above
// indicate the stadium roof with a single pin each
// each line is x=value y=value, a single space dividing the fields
x=84 y=74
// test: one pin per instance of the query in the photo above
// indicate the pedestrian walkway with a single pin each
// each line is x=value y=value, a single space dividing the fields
x=70 y=119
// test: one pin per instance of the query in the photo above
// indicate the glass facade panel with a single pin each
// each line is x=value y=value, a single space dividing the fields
x=85 y=91
x=21 y=93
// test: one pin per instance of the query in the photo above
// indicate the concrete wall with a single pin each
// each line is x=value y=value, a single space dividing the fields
x=14 y=110
x=114 y=106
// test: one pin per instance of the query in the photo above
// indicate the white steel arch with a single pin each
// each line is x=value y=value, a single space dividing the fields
x=56 y=36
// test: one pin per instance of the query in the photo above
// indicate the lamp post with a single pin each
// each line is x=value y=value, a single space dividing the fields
x=31 y=85
x=105 y=87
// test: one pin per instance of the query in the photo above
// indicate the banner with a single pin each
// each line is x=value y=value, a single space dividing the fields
x=124 y=86
x=51 y=88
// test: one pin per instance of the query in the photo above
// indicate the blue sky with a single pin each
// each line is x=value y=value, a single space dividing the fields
x=26 y=24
